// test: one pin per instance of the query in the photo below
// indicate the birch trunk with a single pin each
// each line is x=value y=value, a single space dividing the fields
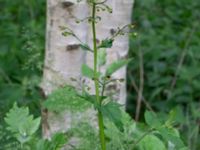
x=109 y=23
x=64 y=57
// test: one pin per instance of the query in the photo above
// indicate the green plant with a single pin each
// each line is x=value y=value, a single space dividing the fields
x=21 y=124
x=159 y=133
x=67 y=98
x=117 y=130
x=109 y=109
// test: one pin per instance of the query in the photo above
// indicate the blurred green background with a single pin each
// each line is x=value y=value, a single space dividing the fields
x=166 y=48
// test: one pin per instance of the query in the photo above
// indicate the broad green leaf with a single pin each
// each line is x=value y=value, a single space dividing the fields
x=152 y=119
x=116 y=66
x=121 y=139
x=175 y=116
x=31 y=126
x=151 y=142
x=171 y=135
x=87 y=135
x=66 y=98
x=102 y=57
x=92 y=99
x=112 y=111
x=107 y=43
x=115 y=136
x=21 y=123
x=88 y=72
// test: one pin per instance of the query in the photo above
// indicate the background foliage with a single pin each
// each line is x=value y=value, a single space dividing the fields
x=22 y=30
x=168 y=41
x=167 y=46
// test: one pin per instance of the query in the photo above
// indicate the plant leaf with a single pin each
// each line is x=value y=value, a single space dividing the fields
x=171 y=135
x=152 y=119
x=88 y=72
x=102 y=57
x=21 y=124
x=151 y=142
x=85 y=47
x=66 y=98
x=57 y=141
x=112 y=111
x=116 y=66
x=107 y=43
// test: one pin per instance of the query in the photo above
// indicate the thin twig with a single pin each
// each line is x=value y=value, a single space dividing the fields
x=141 y=85
x=137 y=90
x=6 y=77
x=182 y=58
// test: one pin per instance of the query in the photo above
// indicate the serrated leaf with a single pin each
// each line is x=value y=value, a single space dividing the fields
x=57 y=141
x=102 y=57
x=21 y=124
x=152 y=120
x=88 y=72
x=86 y=135
x=175 y=116
x=107 y=43
x=151 y=142
x=171 y=135
x=92 y=99
x=66 y=98
x=116 y=66
x=112 y=111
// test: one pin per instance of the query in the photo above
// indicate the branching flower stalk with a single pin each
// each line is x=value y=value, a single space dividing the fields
x=96 y=80
x=100 y=79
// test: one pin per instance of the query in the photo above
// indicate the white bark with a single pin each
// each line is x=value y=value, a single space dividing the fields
x=120 y=17
x=63 y=58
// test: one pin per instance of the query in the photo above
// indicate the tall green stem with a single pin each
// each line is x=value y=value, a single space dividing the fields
x=100 y=116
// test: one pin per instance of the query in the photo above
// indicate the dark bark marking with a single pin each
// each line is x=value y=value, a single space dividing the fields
x=112 y=31
x=72 y=47
x=67 y=4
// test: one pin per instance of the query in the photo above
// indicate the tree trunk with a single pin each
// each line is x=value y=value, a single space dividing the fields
x=64 y=57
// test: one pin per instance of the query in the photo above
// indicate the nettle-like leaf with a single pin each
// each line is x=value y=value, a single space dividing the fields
x=151 y=142
x=112 y=111
x=121 y=139
x=114 y=135
x=92 y=99
x=21 y=123
x=86 y=134
x=175 y=116
x=88 y=72
x=66 y=98
x=152 y=119
x=57 y=141
x=107 y=43
x=113 y=67
x=165 y=129
x=172 y=135
x=102 y=57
